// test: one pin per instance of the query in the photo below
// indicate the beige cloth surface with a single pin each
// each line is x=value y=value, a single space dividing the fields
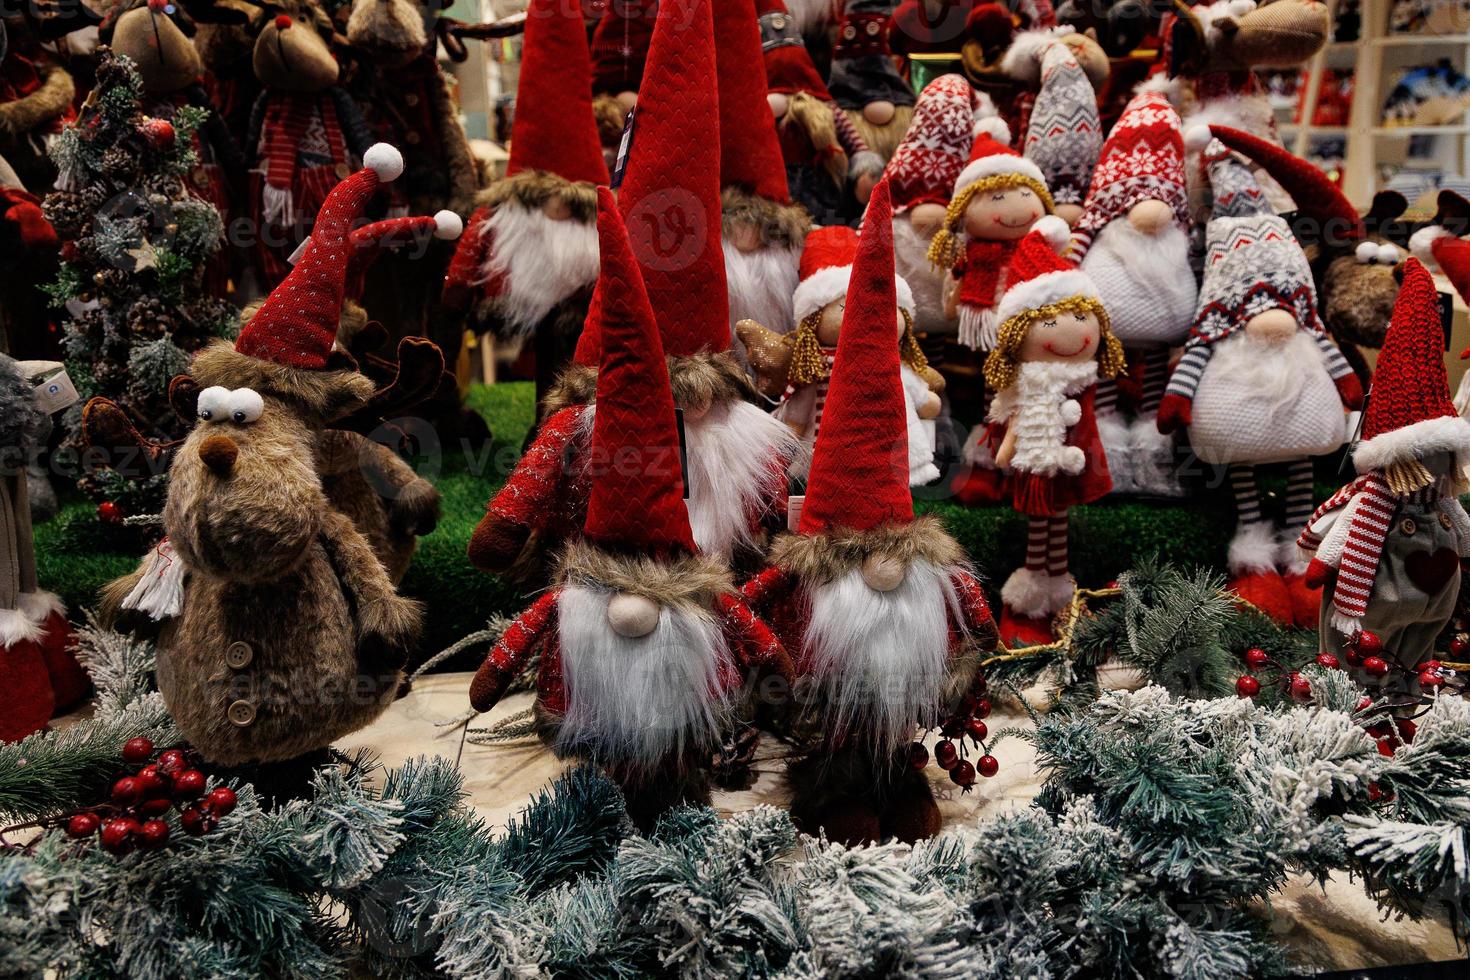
x=1336 y=928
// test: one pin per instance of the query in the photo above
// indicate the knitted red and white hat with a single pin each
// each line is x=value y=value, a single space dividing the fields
x=826 y=270
x=859 y=478
x=1410 y=413
x=1315 y=196
x=1142 y=159
x=670 y=197
x=620 y=46
x=933 y=151
x=750 y=151
x=554 y=129
x=297 y=324
x=991 y=157
x=789 y=67
x=1063 y=132
x=637 y=500
x=1038 y=275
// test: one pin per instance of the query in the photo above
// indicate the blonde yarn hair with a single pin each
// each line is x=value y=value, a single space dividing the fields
x=1004 y=363
x=808 y=364
x=944 y=250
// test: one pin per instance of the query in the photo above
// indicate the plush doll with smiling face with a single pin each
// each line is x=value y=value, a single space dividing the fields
x=1053 y=345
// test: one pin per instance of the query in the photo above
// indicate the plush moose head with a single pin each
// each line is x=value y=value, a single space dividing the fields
x=293 y=50
x=1237 y=35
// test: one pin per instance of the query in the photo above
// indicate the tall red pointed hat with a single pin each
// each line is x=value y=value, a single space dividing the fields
x=1409 y=411
x=297 y=324
x=554 y=129
x=859 y=476
x=637 y=499
x=750 y=150
x=670 y=196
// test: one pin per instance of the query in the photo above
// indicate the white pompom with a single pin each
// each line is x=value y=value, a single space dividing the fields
x=995 y=127
x=448 y=225
x=1054 y=230
x=383 y=160
x=1388 y=254
x=1198 y=137
x=1421 y=240
x=1366 y=252
x=1071 y=412
x=1239 y=8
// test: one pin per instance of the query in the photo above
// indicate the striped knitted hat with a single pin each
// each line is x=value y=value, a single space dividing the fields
x=933 y=151
x=1410 y=413
x=1063 y=134
x=1142 y=159
x=1253 y=263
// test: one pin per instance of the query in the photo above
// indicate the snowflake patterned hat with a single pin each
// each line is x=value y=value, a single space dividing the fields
x=297 y=324
x=1142 y=159
x=1064 y=134
x=1253 y=263
x=933 y=151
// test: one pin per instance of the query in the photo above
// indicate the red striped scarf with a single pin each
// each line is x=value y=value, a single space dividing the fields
x=1363 y=547
x=287 y=118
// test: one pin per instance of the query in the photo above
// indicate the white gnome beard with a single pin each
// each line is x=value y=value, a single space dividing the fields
x=911 y=262
x=1275 y=373
x=761 y=284
x=638 y=701
x=1145 y=282
x=542 y=262
x=737 y=460
x=879 y=658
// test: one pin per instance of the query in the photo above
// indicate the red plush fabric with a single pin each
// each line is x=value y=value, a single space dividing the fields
x=789 y=67
x=1409 y=383
x=750 y=153
x=29 y=702
x=69 y=682
x=860 y=472
x=554 y=129
x=620 y=46
x=637 y=498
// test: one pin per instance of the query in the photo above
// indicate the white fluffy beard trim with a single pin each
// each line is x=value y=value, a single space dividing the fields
x=879 y=658
x=1274 y=372
x=1036 y=594
x=761 y=285
x=738 y=457
x=638 y=702
x=1253 y=549
x=911 y=261
x=1145 y=282
x=542 y=261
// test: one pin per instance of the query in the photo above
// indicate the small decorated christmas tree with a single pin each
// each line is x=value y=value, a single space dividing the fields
x=135 y=242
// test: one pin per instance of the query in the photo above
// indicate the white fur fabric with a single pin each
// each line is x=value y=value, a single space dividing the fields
x=911 y=260
x=1253 y=549
x=1260 y=403
x=1150 y=459
x=761 y=284
x=1035 y=594
x=738 y=456
x=1041 y=406
x=879 y=658
x=17 y=627
x=1113 y=431
x=543 y=261
x=1145 y=282
x=1288 y=555
x=921 y=432
x=637 y=701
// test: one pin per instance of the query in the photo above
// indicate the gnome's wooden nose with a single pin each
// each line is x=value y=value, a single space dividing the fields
x=219 y=454
x=632 y=615
x=883 y=574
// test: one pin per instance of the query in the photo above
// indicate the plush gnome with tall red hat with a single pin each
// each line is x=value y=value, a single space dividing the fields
x=921 y=176
x=644 y=636
x=282 y=603
x=762 y=230
x=1260 y=382
x=879 y=604
x=1389 y=545
x=806 y=368
x=1064 y=135
x=528 y=260
x=1133 y=242
x=1053 y=345
x=670 y=199
x=829 y=168
x=864 y=80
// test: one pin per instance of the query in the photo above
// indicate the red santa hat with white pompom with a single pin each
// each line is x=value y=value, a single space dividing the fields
x=1038 y=275
x=826 y=271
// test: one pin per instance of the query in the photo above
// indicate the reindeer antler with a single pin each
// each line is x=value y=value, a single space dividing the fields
x=106 y=426
x=453 y=33
x=417 y=377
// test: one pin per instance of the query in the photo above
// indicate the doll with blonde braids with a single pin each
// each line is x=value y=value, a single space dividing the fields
x=819 y=304
x=1053 y=345
x=998 y=198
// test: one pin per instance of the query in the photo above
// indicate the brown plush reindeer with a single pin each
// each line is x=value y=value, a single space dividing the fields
x=289 y=633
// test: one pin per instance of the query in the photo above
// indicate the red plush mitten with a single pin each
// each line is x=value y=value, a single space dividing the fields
x=1350 y=390
x=1175 y=412
x=1317 y=574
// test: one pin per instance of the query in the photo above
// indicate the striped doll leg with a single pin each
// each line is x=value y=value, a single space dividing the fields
x=1253 y=549
x=1038 y=537
x=1155 y=379
x=1299 y=485
x=1056 y=545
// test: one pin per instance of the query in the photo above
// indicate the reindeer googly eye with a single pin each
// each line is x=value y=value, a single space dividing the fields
x=245 y=406
x=1388 y=255
x=214 y=404
x=1366 y=253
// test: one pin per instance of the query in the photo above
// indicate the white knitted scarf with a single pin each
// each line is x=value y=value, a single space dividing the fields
x=1042 y=406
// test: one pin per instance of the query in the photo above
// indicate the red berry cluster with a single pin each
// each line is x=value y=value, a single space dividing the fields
x=134 y=816
x=1365 y=650
x=968 y=721
x=1290 y=681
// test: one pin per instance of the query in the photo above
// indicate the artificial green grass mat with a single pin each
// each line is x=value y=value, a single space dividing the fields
x=76 y=554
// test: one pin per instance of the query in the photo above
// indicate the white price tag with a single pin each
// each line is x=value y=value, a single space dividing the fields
x=56 y=393
x=794 y=504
